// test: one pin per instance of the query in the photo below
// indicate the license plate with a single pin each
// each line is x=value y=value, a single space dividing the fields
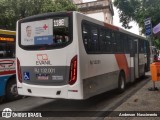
x=42 y=76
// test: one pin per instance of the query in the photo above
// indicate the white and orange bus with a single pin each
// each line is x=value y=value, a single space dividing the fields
x=69 y=55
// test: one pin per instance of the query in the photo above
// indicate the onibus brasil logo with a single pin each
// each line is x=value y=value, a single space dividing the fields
x=8 y=113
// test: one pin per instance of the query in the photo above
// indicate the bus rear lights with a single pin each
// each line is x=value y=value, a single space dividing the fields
x=73 y=70
x=19 y=71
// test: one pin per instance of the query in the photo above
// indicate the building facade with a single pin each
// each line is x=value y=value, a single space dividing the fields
x=76 y=1
x=103 y=7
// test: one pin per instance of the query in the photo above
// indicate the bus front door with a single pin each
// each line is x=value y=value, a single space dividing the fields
x=136 y=59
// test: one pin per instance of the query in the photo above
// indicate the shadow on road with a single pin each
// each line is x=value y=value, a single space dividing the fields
x=95 y=103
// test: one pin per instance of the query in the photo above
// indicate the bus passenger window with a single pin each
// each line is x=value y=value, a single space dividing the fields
x=59 y=39
x=126 y=44
x=114 y=42
x=108 y=41
x=3 y=50
x=94 y=39
x=86 y=37
x=66 y=38
x=7 y=50
x=102 y=40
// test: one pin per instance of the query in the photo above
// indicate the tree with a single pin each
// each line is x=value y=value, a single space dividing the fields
x=64 y=5
x=139 y=10
x=13 y=10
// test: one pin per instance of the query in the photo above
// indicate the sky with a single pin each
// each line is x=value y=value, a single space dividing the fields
x=134 y=29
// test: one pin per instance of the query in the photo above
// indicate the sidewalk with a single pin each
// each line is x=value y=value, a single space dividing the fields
x=142 y=100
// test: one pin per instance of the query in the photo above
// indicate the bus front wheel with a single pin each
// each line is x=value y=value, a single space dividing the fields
x=11 y=90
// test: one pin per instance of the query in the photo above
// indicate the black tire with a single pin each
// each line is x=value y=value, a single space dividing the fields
x=121 y=83
x=11 y=90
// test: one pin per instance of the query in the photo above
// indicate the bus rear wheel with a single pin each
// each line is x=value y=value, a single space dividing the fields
x=121 y=82
x=11 y=90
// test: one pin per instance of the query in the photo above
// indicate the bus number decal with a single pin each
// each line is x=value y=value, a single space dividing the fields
x=59 y=22
x=44 y=70
x=95 y=62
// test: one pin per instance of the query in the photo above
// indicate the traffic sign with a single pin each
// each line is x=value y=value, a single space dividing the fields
x=148 y=26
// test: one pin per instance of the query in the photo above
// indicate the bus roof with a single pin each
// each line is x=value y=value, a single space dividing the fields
x=7 y=32
x=113 y=27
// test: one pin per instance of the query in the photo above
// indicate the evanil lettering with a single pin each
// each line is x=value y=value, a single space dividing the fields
x=44 y=62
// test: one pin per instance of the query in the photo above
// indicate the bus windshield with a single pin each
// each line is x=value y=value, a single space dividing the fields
x=7 y=46
x=47 y=33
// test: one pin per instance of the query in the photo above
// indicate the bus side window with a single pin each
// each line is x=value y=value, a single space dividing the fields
x=142 y=46
x=2 y=50
x=145 y=47
x=10 y=50
x=94 y=39
x=102 y=40
x=7 y=50
x=126 y=44
x=109 y=41
x=120 y=41
x=86 y=37
x=114 y=42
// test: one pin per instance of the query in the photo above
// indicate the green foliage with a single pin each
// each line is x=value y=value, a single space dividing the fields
x=139 y=10
x=64 y=5
x=157 y=43
x=13 y=10
x=127 y=11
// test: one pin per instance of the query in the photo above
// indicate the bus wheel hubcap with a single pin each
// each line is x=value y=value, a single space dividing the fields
x=14 y=90
x=122 y=83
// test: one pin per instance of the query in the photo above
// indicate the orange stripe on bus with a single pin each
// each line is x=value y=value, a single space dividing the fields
x=122 y=63
x=111 y=26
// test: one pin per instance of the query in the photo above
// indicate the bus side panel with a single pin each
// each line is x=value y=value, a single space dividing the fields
x=2 y=87
x=99 y=84
x=3 y=81
x=97 y=77
x=129 y=76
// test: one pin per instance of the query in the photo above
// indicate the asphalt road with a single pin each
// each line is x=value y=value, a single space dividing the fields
x=94 y=108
